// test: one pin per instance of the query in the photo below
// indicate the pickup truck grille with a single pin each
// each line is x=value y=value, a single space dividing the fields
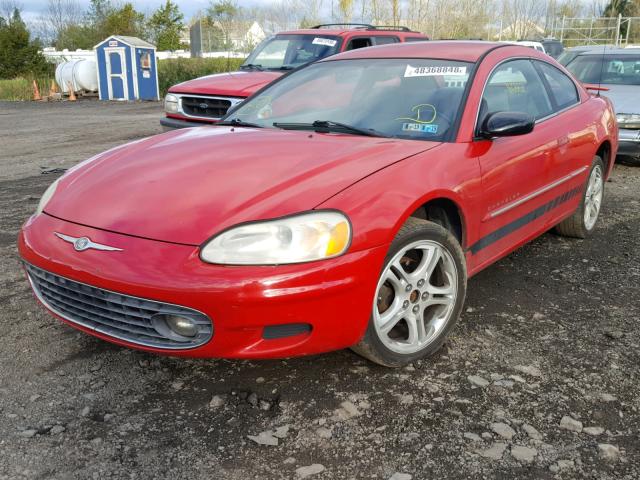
x=205 y=107
x=114 y=314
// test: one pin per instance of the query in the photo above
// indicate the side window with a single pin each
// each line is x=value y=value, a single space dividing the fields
x=515 y=86
x=415 y=39
x=562 y=87
x=360 y=42
x=384 y=40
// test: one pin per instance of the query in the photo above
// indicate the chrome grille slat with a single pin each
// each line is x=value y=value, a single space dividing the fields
x=114 y=314
x=215 y=107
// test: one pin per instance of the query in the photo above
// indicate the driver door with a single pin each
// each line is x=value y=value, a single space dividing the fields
x=514 y=169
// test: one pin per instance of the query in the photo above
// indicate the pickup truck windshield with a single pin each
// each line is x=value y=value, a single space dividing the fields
x=412 y=98
x=283 y=52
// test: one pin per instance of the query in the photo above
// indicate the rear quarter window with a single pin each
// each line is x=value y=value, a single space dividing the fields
x=385 y=39
x=562 y=87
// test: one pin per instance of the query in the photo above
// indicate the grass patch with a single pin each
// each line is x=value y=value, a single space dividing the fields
x=170 y=72
x=175 y=70
x=21 y=89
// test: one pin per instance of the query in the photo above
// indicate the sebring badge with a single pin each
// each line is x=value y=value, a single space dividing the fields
x=83 y=243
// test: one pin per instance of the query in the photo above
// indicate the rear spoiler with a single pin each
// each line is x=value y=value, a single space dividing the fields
x=594 y=87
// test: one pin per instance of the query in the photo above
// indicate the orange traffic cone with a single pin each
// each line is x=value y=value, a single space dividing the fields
x=72 y=94
x=36 y=92
x=54 y=88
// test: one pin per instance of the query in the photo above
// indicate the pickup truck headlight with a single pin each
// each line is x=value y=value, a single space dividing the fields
x=297 y=239
x=171 y=103
x=628 y=120
x=46 y=196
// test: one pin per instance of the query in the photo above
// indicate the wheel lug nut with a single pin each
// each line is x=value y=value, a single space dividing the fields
x=425 y=295
x=408 y=288
x=416 y=309
x=420 y=283
x=405 y=304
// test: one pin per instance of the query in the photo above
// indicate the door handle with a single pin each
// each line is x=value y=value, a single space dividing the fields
x=563 y=141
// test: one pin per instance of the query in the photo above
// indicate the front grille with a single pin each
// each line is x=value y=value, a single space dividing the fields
x=114 y=314
x=207 y=107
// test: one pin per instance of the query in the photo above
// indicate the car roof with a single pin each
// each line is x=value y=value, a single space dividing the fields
x=343 y=31
x=467 y=51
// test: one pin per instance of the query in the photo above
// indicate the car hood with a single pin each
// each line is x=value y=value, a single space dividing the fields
x=231 y=84
x=187 y=185
x=625 y=98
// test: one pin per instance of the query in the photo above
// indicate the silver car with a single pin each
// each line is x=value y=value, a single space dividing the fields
x=619 y=71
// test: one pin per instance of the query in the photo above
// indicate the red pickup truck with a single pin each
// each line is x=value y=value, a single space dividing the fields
x=206 y=99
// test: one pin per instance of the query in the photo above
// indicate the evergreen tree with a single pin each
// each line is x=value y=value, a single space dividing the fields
x=165 y=26
x=626 y=8
x=19 y=54
x=124 y=21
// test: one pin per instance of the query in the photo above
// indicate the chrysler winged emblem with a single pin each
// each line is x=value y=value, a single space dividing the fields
x=80 y=244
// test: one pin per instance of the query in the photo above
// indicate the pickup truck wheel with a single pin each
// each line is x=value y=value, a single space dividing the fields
x=419 y=295
x=583 y=221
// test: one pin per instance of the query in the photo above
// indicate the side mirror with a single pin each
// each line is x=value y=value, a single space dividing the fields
x=507 y=124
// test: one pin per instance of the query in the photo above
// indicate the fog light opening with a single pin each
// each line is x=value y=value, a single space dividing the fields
x=177 y=327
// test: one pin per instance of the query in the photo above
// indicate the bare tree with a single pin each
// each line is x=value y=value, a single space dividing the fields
x=596 y=8
x=522 y=18
x=59 y=16
x=7 y=7
x=346 y=9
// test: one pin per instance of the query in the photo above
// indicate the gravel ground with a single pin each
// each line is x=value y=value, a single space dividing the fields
x=539 y=380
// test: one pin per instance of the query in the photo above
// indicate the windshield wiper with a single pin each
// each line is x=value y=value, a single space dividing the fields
x=236 y=122
x=286 y=67
x=323 y=126
x=251 y=66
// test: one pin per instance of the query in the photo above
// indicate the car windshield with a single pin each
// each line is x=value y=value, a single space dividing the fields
x=609 y=69
x=291 y=51
x=406 y=98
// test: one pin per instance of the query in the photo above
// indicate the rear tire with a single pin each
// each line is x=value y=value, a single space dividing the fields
x=583 y=221
x=419 y=297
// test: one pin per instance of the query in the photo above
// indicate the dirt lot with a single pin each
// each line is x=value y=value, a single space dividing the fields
x=540 y=378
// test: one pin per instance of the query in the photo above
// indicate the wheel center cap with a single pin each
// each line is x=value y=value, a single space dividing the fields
x=415 y=296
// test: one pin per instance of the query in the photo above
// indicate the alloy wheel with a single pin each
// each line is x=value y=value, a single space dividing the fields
x=593 y=197
x=415 y=297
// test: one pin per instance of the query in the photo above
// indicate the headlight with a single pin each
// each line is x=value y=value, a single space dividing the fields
x=46 y=196
x=628 y=120
x=301 y=238
x=171 y=103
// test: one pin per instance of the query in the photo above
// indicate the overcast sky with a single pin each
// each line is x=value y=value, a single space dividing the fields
x=32 y=9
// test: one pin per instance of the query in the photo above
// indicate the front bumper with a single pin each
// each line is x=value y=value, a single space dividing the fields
x=334 y=297
x=629 y=142
x=170 y=123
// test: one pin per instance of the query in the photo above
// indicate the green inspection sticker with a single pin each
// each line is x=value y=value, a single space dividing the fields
x=420 y=127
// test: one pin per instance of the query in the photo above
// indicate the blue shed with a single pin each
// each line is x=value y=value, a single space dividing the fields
x=127 y=69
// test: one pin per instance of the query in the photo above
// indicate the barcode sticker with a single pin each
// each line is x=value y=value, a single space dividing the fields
x=324 y=41
x=434 y=70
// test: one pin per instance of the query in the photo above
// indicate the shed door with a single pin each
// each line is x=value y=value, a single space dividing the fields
x=116 y=73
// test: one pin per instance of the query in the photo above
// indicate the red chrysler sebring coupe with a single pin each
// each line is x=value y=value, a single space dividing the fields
x=344 y=205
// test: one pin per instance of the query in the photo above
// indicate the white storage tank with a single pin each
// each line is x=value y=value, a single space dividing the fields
x=81 y=73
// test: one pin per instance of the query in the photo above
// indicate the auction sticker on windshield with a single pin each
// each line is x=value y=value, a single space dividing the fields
x=420 y=127
x=324 y=41
x=434 y=70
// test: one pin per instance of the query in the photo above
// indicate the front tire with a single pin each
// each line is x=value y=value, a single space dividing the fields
x=419 y=296
x=583 y=221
